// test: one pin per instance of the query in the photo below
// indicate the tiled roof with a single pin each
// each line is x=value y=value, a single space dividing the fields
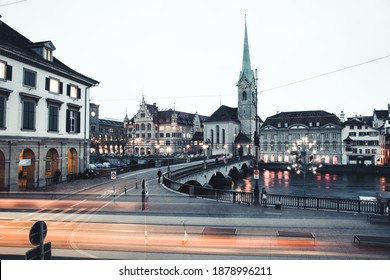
x=15 y=45
x=381 y=114
x=303 y=118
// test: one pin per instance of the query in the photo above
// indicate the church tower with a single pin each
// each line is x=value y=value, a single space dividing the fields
x=247 y=93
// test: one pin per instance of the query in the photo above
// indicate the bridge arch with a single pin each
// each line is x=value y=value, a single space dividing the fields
x=218 y=180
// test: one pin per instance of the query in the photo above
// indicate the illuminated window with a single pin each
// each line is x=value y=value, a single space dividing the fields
x=47 y=54
x=3 y=68
x=53 y=85
x=5 y=71
x=73 y=91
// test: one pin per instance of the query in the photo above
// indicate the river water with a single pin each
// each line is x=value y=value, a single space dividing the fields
x=346 y=186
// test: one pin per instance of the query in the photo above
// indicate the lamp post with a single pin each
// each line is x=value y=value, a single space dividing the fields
x=168 y=151
x=205 y=146
x=304 y=161
x=158 y=154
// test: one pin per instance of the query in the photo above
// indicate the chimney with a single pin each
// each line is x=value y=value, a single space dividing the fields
x=342 y=116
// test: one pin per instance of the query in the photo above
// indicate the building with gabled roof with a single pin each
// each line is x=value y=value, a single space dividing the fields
x=361 y=142
x=161 y=132
x=44 y=114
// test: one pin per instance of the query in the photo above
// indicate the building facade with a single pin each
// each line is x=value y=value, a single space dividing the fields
x=361 y=142
x=163 y=132
x=44 y=114
x=280 y=132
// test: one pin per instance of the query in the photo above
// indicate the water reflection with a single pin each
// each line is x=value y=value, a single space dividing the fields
x=348 y=186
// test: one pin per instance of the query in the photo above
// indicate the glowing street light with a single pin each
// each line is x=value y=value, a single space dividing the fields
x=304 y=160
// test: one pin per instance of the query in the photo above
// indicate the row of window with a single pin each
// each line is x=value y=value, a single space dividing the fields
x=297 y=136
x=311 y=124
x=279 y=146
x=29 y=105
x=372 y=133
x=30 y=80
x=162 y=135
x=148 y=127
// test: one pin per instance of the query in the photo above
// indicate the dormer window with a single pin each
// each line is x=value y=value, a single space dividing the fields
x=47 y=54
x=44 y=49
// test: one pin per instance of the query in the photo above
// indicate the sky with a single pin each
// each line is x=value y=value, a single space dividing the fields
x=331 y=55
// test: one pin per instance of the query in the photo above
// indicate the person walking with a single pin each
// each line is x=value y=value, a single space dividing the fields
x=264 y=197
x=159 y=174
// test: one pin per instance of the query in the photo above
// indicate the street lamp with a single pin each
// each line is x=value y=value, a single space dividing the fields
x=157 y=149
x=304 y=160
x=168 y=151
x=205 y=146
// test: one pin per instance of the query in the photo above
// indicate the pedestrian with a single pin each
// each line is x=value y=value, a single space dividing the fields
x=159 y=173
x=264 y=197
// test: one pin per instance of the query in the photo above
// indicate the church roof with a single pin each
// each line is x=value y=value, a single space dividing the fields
x=246 y=60
x=242 y=138
x=224 y=114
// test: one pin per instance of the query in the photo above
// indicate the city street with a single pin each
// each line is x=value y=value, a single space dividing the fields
x=95 y=224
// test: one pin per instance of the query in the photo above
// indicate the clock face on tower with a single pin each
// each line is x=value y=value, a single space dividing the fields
x=93 y=114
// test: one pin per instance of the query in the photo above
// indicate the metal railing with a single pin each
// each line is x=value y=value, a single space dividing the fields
x=319 y=203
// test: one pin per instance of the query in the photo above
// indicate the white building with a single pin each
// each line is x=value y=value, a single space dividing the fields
x=361 y=142
x=280 y=132
x=44 y=114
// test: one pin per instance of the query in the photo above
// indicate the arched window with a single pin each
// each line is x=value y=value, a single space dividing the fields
x=143 y=127
x=149 y=127
x=244 y=96
x=217 y=130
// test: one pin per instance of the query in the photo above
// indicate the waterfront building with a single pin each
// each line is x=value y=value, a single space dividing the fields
x=384 y=139
x=280 y=132
x=44 y=114
x=231 y=130
x=361 y=142
x=107 y=136
x=163 y=132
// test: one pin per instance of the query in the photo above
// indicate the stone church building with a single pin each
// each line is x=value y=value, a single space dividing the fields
x=231 y=130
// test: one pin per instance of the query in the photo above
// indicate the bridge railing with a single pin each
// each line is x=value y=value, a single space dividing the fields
x=319 y=203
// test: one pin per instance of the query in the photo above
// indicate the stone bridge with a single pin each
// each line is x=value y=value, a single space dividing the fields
x=212 y=173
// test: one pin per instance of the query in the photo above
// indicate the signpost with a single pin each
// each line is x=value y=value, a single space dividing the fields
x=113 y=178
x=37 y=235
x=256 y=174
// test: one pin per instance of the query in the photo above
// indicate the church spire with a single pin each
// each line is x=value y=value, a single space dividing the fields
x=246 y=60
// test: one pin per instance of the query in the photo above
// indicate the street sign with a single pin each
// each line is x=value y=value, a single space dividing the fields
x=113 y=175
x=35 y=253
x=38 y=232
x=256 y=173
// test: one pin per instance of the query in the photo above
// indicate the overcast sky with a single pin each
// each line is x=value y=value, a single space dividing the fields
x=188 y=54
